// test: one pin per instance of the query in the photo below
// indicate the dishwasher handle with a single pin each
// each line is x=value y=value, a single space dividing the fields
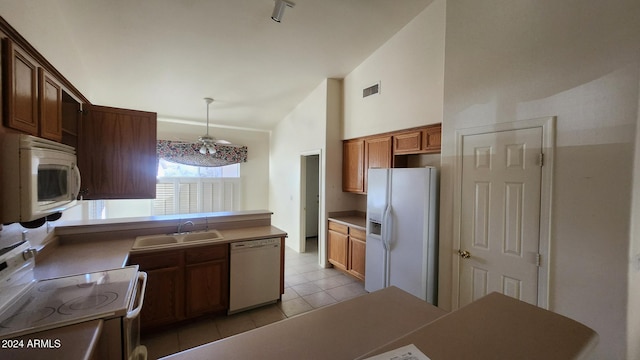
x=255 y=244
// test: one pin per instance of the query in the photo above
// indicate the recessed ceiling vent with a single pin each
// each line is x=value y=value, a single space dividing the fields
x=371 y=90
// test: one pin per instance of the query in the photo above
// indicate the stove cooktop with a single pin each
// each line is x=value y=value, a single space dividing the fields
x=69 y=300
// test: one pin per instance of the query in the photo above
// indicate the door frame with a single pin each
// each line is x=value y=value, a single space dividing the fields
x=303 y=202
x=548 y=125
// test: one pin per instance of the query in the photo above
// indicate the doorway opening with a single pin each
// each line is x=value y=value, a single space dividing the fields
x=310 y=202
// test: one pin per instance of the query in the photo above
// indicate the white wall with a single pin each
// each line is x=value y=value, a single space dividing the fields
x=254 y=173
x=633 y=312
x=66 y=59
x=579 y=61
x=313 y=126
x=410 y=67
x=303 y=130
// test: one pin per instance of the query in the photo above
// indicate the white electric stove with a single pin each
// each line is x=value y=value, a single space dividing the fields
x=28 y=306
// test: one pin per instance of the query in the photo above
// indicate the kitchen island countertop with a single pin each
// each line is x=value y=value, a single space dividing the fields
x=344 y=330
x=493 y=327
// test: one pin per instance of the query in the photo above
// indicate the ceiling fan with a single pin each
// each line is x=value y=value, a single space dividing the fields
x=208 y=142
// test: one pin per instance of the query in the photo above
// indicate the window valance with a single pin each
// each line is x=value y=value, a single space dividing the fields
x=189 y=153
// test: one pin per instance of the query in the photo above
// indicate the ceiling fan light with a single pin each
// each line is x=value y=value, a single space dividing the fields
x=203 y=150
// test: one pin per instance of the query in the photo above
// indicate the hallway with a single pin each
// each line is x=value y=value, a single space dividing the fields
x=307 y=287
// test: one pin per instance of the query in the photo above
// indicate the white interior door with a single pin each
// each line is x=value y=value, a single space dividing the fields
x=500 y=214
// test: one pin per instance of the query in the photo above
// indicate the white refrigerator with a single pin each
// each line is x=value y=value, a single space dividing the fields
x=401 y=230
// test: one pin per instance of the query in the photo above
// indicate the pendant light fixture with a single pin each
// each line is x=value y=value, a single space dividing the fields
x=208 y=142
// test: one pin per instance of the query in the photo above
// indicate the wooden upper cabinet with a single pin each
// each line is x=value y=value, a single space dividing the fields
x=432 y=139
x=117 y=153
x=20 y=88
x=50 y=101
x=379 y=151
x=418 y=141
x=33 y=95
x=353 y=166
x=377 y=155
x=407 y=143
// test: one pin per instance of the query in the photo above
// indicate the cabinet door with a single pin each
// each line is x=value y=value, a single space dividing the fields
x=337 y=244
x=207 y=287
x=163 y=297
x=407 y=143
x=377 y=155
x=117 y=154
x=20 y=88
x=357 y=255
x=432 y=139
x=353 y=166
x=50 y=99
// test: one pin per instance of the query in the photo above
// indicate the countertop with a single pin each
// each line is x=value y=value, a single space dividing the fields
x=344 y=330
x=83 y=257
x=97 y=251
x=493 y=327
x=79 y=257
x=350 y=218
x=500 y=327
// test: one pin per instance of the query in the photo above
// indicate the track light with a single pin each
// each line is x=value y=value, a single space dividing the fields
x=278 y=10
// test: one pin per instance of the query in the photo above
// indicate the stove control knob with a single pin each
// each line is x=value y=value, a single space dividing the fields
x=29 y=253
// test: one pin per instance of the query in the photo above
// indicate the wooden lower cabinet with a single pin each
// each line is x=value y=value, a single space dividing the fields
x=357 y=252
x=347 y=248
x=163 y=298
x=184 y=284
x=207 y=280
x=338 y=245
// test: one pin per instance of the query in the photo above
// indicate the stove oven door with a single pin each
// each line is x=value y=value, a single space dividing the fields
x=120 y=337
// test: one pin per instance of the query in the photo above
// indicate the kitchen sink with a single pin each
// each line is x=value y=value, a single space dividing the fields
x=160 y=241
x=145 y=241
x=202 y=236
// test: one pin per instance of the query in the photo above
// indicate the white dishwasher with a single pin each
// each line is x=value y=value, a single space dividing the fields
x=254 y=277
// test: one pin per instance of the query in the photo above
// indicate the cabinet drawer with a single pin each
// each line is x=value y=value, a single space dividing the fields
x=357 y=233
x=337 y=227
x=202 y=254
x=157 y=260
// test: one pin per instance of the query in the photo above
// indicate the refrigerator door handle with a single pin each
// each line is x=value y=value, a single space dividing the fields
x=386 y=230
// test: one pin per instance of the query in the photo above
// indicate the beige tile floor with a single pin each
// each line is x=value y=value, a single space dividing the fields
x=307 y=287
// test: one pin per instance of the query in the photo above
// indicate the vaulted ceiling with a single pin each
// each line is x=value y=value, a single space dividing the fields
x=167 y=55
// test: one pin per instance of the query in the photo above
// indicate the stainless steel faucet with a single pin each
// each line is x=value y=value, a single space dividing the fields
x=180 y=225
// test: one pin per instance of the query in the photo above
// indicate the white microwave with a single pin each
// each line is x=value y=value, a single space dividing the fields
x=40 y=177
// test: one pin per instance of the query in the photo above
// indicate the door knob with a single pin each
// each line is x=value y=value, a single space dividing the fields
x=464 y=254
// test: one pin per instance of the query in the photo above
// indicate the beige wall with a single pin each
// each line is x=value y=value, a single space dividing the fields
x=25 y=16
x=312 y=127
x=254 y=173
x=410 y=67
x=302 y=131
x=579 y=61
x=633 y=312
